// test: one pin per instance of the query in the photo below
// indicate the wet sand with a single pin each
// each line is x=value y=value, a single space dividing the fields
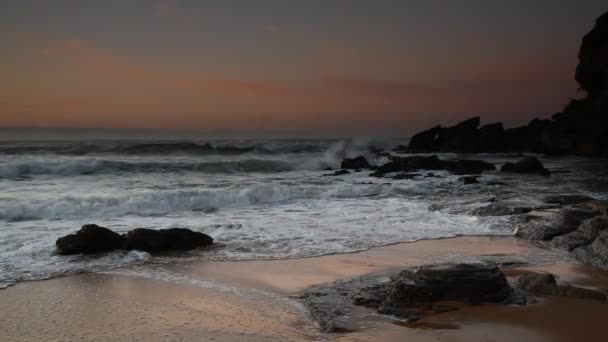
x=254 y=300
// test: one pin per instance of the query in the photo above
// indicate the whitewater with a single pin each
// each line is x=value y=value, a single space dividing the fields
x=259 y=199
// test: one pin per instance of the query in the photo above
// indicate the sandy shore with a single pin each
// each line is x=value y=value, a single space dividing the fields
x=255 y=300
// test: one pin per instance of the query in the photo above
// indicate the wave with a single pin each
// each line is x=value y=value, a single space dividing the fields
x=163 y=148
x=26 y=168
x=156 y=203
x=216 y=147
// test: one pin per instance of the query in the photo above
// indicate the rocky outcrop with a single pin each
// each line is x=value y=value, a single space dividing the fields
x=580 y=230
x=472 y=283
x=355 y=163
x=592 y=69
x=92 y=239
x=581 y=128
x=410 y=294
x=415 y=163
x=528 y=165
x=163 y=240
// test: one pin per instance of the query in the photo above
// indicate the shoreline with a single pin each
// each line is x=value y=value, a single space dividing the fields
x=257 y=300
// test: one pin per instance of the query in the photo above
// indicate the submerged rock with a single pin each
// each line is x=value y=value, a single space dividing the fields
x=355 y=163
x=163 y=240
x=415 y=163
x=529 y=165
x=469 y=180
x=90 y=239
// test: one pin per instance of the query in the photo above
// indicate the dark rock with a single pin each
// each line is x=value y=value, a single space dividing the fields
x=90 y=239
x=547 y=227
x=569 y=241
x=492 y=138
x=493 y=209
x=599 y=206
x=592 y=69
x=463 y=137
x=567 y=199
x=596 y=253
x=469 y=180
x=355 y=163
x=468 y=166
x=592 y=227
x=526 y=165
x=400 y=148
x=472 y=282
x=425 y=140
x=544 y=284
x=328 y=169
x=163 y=240
x=406 y=176
x=338 y=173
x=415 y=163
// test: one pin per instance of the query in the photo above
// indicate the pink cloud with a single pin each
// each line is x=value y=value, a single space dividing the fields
x=103 y=63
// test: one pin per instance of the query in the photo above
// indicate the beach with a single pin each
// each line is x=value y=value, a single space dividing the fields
x=258 y=300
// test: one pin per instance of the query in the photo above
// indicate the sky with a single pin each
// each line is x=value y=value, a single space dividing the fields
x=287 y=68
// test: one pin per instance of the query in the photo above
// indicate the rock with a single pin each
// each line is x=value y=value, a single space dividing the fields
x=599 y=206
x=493 y=209
x=444 y=282
x=567 y=199
x=592 y=227
x=415 y=163
x=338 y=173
x=596 y=253
x=592 y=69
x=569 y=241
x=406 y=176
x=469 y=180
x=90 y=239
x=547 y=227
x=425 y=140
x=492 y=138
x=163 y=240
x=529 y=165
x=544 y=284
x=468 y=166
x=355 y=163
x=462 y=138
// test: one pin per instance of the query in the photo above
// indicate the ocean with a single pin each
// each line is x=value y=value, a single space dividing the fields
x=259 y=199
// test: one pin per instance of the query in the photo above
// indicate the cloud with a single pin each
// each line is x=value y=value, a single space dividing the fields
x=103 y=63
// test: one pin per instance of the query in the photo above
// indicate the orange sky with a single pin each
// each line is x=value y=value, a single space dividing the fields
x=86 y=68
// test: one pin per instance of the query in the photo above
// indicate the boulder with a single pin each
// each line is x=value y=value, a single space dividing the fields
x=90 y=239
x=475 y=283
x=545 y=228
x=529 y=165
x=592 y=227
x=596 y=253
x=544 y=284
x=570 y=241
x=338 y=173
x=424 y=141
x=163 y=240
x=355 y=163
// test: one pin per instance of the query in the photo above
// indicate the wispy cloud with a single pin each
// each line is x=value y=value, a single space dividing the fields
x=103 y=63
